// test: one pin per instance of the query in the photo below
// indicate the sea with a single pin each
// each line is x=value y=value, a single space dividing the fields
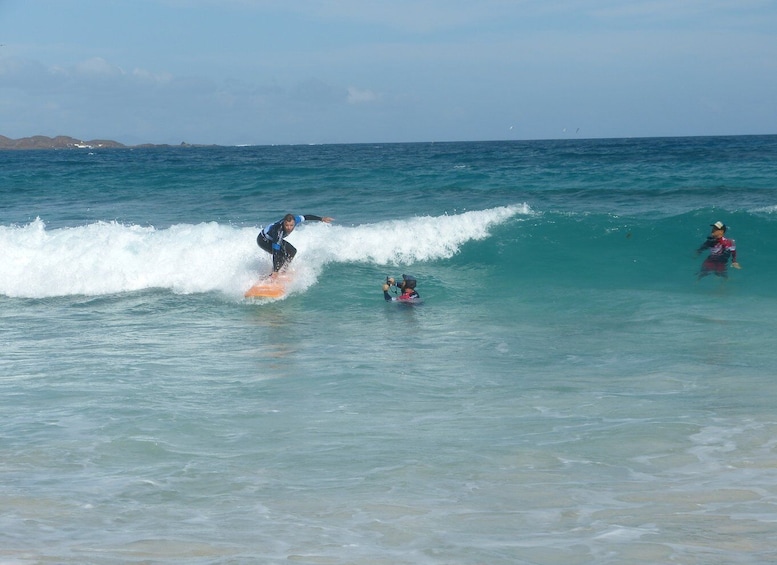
x=567 y=393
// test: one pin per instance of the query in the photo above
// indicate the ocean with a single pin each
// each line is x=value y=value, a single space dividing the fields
x=567 y=393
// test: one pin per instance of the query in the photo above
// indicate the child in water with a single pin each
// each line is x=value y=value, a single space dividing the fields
x=721 y=250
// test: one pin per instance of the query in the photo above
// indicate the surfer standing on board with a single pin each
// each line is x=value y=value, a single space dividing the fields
x=721 y=249
x=271 y=239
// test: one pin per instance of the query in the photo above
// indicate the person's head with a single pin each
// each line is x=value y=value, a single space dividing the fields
x=408 y=282
x=718 y=229
x=289 y=222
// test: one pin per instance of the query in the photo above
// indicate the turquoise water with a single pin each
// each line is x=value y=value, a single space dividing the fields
x=567 y=393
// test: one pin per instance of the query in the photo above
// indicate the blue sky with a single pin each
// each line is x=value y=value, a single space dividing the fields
x=325 y=71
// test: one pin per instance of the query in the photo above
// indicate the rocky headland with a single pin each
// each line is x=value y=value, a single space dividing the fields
x=66 y=142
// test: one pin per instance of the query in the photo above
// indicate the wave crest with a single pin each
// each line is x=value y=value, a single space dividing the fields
x=109 y=257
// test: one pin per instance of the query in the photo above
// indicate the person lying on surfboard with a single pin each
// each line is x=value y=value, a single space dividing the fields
x=407 y=286
x=271 y=239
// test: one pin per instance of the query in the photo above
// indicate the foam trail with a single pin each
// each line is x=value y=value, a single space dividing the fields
x=108 y=257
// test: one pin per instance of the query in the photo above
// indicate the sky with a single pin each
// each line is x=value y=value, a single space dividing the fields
x=262 y=72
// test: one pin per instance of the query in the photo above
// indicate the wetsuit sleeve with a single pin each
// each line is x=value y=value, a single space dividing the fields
x=709 y=242
x=387 y=296
x=312 y=217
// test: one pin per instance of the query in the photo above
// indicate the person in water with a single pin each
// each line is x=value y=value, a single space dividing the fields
x=272 y=239
x=721 y=249
x=407 y=286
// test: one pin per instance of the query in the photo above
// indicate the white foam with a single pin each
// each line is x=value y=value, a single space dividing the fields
x=108 y=257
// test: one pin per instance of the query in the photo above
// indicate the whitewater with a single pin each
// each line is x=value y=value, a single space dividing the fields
x=108 y=257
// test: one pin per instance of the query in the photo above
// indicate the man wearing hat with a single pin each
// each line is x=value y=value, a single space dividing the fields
x=721 y=248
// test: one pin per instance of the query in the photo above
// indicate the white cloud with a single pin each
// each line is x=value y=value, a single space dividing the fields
x=145 y=76
x=97 y=66
x=357 y=96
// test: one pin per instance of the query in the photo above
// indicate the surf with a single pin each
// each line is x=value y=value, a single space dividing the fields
x=103 y=258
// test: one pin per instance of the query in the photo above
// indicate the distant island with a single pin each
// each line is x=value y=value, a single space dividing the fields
x=65 y=142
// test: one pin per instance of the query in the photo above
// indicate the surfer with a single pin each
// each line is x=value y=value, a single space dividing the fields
x=721 y=249
x=407 y=286
x=271 y=239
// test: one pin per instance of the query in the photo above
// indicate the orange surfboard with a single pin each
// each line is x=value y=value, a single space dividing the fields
x=269 y=288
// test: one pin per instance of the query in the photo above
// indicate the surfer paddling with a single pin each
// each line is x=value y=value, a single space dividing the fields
x=271 y=239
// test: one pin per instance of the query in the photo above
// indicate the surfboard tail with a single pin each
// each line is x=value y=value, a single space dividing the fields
x=269 y=287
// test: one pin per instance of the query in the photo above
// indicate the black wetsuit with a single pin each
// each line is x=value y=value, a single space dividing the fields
x=271 y=240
